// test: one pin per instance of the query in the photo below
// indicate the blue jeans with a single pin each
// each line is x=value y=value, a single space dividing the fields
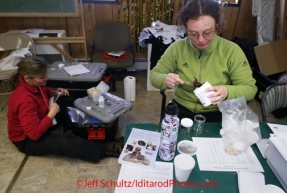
x=63 y=144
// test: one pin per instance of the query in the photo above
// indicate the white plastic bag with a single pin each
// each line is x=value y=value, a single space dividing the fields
x=10 y=62
x=240 y=126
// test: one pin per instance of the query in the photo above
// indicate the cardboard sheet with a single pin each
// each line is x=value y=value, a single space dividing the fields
x=272 y=57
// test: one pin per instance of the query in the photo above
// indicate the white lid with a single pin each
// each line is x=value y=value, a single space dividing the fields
x=186 y=122
x=272 y=188
x=103 y=87
x=249 y=181
x=187 y=147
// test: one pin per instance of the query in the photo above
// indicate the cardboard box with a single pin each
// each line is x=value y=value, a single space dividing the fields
x=272 y=57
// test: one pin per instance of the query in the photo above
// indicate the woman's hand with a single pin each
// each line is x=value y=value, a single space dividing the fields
x=64 y=92
x=53 y=110
x=220 y=94
x=172 y=80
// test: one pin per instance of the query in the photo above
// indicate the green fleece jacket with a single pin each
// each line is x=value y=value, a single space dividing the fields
x=222 y=63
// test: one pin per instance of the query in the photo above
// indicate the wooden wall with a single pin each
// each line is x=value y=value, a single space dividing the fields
x=240 y=22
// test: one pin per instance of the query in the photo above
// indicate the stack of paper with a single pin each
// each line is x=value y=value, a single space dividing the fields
x=278 y=130
x=77 y=69
x=281 y=144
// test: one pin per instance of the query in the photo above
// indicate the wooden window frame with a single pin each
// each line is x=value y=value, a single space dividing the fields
x=101 y=1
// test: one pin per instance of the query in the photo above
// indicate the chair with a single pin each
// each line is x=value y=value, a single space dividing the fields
x=274 y=97
x=9 y=43
x=112 y=36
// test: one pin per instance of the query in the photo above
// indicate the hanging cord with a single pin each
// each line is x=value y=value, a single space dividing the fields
x=106 y=57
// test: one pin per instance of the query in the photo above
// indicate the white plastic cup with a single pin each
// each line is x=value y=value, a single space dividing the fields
x=199 y=121
x=186 y=124
x=183 y=165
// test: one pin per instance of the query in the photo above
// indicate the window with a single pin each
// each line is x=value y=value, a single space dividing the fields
x=231 y=3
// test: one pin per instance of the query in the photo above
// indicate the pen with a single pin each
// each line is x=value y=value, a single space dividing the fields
x=58 y=95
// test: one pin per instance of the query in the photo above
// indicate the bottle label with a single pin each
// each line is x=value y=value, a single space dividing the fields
x=169 y=131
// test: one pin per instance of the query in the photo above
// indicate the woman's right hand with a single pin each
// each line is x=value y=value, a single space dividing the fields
x=172 y=80
x=54 y=109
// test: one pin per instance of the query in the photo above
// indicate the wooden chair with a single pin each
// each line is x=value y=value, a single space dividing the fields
x=9 y=43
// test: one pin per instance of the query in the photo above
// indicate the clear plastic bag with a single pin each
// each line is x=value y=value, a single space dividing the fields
x=240 y=125
x=10 y=62
x=80 y=117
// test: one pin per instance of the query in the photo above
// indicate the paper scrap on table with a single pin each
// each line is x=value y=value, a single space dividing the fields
x=133 y=179
x=277 y=128
x=212 y=157
x=76 y=69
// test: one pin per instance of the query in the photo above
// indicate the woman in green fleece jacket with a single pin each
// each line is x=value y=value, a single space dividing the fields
x=207 y=57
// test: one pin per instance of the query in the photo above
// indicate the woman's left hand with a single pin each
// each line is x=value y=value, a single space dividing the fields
x=64 y=92
x=220 y=94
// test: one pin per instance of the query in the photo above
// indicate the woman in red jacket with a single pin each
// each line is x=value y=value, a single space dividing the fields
x=31 y=117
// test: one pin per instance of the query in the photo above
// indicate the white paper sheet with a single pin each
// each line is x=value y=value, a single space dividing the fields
x=212 y=157
x=134 y=179
x=76 y=69
x=277 y=128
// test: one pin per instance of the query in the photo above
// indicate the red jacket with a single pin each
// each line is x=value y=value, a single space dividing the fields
x=27 y=112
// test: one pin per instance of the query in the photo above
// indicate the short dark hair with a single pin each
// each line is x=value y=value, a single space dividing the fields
x=193 y=9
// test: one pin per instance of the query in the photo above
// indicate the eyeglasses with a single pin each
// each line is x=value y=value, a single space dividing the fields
x=195 y=35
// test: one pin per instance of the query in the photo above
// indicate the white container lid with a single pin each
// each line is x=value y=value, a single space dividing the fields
x=272 y=188
x=186 y=122
x=187 y=147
